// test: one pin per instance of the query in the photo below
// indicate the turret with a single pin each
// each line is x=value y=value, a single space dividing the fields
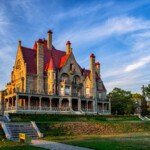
x=51 y=77
x=68 y=47
x=40 y=66
x=49 y=39
x=97 y=66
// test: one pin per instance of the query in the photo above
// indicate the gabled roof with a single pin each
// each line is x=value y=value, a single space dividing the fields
x=54 y=55
x=63 y=60
x=50 y=65
x=29 y=56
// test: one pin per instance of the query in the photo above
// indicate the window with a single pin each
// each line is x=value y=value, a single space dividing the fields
x=71 y=66
x=67 y=90
x=100 y=95
x=61 y=90
x=87 y=91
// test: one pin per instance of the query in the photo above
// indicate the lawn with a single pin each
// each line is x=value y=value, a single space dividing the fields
x=96 y=132
x=8 y=145
x=134 y=141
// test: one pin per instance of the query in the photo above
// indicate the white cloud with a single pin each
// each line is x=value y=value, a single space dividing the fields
x=138 y=64
x=113 y=26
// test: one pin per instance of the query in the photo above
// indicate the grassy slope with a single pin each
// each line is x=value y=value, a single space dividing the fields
x=87 y=131
x=92 y=128
x=134 y=141
x=111 y=143
x=8 y=145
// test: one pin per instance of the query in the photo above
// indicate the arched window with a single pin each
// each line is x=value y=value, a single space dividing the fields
x=76 y=79
x=64 y=77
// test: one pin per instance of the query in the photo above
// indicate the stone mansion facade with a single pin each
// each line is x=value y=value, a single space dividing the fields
x=47 y=80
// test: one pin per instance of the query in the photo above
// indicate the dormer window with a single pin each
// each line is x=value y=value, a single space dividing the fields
x=71 y=67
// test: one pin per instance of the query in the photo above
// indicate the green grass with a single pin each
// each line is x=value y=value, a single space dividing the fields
x=9 y=145
x=70 y=118
x=134 y=141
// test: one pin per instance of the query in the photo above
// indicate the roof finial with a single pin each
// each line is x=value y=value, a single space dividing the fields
x=19 y=43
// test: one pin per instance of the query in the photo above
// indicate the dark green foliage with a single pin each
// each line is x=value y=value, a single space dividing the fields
x=68 y=118
x=144 y=111
x=147 y=91
x=121 y=102
x=54 y=117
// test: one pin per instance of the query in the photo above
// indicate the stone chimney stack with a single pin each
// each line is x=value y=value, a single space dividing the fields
x=19 y=43
x=40 y=66
x=92 y=75
x=68 y=47
x=97 y=65
x=49 y=39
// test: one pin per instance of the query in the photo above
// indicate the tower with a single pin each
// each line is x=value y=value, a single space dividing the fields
x=51 y=74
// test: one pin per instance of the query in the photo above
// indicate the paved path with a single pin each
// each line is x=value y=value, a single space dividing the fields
x=55 y=146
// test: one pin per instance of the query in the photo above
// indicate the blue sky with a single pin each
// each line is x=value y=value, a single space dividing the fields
x=118 y=32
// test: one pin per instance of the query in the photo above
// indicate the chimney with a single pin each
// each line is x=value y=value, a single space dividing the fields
x=40 y=66
x=49 y=39
x=97 y=65
x=68 y=47
x=92 y=75
x=19 y=43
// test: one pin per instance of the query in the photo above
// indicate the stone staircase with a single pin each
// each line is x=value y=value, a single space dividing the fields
x=15 y=128
x=3 y=119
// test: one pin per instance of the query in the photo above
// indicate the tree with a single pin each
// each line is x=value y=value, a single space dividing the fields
x=147 y=91
x=121 y=102
x=137 y=98
x=144 y=111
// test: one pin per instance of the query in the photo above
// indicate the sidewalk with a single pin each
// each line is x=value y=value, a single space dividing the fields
x=55 y=146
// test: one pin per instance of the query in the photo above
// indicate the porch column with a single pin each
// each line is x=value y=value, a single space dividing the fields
x=59 y=106
x=40 y=101
x=24 y=103
x=12 y=102
x=94 y=109
x=79 y=104
x=109 y=107
x=103 y=108
x=70 y=103
x=7 y=104
x=50 y=104
x=17 y=98
x=29 y=102
x=86 y=105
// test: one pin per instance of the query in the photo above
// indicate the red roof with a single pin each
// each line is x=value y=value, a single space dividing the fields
x=50 y=65
x=64 y=60
x=30 y=59
x=57 y=56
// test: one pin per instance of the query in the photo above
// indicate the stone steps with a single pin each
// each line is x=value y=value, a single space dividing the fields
x=3 y=119
x=15 y=128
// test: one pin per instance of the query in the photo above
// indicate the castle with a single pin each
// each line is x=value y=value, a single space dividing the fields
x=47 y=80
